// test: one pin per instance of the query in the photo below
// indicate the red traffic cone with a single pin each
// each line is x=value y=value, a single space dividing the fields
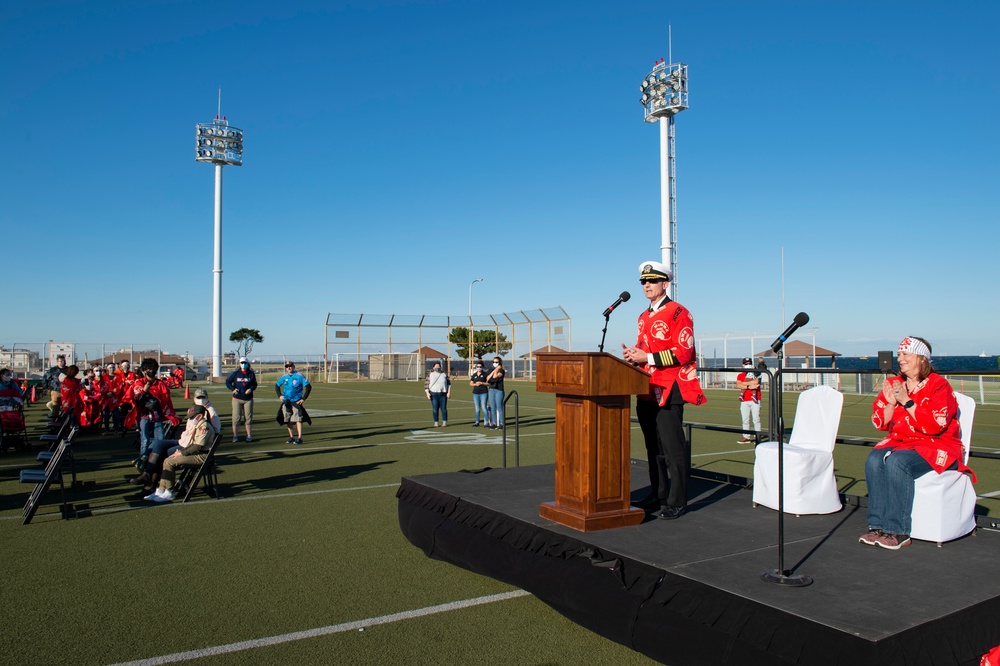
x=33 y=399
x=187 y=391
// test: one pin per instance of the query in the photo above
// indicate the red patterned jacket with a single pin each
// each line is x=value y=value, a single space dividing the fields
x=668 y=334
x=934 y=432
x=160 y=389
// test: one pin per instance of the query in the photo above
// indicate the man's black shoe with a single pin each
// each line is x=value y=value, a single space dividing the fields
x=647 y=504
x=671 y=512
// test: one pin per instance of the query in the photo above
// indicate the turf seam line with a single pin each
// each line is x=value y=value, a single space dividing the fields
x=214 y=502
x=322 y=631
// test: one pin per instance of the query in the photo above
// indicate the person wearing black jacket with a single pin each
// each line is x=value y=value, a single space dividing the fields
x=243 y=382
x=52 y=382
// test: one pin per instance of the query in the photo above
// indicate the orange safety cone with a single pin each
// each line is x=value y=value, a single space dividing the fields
x=33 y=399
x=187 y=391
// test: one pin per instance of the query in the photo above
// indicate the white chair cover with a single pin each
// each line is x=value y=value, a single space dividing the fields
x=944 y=504
x=810 y=485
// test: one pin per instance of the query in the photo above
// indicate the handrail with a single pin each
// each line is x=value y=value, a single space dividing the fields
x=517 y=430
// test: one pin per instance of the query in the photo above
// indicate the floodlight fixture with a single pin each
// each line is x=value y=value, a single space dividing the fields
x=665 y=94
x=221 y=145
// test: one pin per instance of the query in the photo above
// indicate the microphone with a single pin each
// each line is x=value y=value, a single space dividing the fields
x=621 y=299
x=801 y=319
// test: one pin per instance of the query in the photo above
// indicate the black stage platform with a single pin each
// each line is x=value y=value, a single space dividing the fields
x=689 y=592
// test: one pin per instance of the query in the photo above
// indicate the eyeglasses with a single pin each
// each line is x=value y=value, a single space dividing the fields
x=650 y=281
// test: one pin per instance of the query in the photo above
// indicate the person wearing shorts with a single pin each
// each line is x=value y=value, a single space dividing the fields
x=293 y=389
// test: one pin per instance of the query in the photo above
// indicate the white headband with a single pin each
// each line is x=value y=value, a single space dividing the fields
x=911 y=345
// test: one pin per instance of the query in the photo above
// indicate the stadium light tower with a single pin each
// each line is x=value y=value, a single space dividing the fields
x=219 y=144
x=664 y=95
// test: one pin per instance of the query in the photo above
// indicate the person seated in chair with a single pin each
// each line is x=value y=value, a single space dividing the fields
x=11 y=395
x=191 y=449
x=920 y=414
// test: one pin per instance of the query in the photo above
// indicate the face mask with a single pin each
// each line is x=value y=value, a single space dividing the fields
x=5 y=378
x=747 y=366
x=496 y=365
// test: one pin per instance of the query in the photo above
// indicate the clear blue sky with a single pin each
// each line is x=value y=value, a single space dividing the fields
x=395 y=151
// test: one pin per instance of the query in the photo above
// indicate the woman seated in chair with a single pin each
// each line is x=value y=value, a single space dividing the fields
x=919 y=411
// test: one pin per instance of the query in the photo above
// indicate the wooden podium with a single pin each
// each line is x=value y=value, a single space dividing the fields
x=593 y=438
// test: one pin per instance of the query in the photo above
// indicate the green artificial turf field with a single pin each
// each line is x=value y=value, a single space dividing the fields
x=302 y=561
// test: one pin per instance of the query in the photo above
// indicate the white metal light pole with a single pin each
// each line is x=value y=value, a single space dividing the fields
x=219 y=144
x=472 y=346
x=664 y=95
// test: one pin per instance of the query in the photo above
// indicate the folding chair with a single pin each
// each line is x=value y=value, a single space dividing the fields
x=43 y=478
x=13 y=432
x=46 y=456
x=62 y=427
x=188 y=479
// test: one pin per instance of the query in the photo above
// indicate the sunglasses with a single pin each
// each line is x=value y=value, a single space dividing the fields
x=650 y=281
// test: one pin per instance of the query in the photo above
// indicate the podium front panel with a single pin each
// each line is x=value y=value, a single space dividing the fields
x=589 y=453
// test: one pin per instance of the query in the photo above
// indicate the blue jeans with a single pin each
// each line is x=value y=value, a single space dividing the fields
x=496 y=404
x=439 y=402
x=890 y=487
x=163 y=447
x=148 y=431
x=479 y=400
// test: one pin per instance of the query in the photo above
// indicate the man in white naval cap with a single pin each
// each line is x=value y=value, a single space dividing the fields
x=665 y=350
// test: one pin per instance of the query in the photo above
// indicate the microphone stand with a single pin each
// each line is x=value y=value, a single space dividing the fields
x=779 y=576
x=604 y=332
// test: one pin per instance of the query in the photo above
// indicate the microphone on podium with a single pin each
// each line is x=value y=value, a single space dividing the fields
x=623 y=297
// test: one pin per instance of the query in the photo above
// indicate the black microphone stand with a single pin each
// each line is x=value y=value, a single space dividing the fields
x=604 y=332
x=779 y=576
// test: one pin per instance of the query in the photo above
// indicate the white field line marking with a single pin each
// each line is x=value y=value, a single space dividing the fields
x=322 y=631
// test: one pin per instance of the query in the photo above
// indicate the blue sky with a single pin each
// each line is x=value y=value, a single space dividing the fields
x=395 y=151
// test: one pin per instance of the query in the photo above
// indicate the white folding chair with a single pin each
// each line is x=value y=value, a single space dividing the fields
x=810 y=485
x=944 y=505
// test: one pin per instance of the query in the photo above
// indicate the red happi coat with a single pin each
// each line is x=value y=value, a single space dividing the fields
x=668 y=334
x=934 y=432
x=160 y=389
x=106 y=389
x=90 y=404
x=122 y=387
x=69 y=394
x=176 y=378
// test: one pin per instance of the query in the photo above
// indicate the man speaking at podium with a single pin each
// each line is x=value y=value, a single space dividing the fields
x=665 y=350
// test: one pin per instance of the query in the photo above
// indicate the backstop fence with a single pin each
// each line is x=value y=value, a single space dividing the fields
x=392 y=346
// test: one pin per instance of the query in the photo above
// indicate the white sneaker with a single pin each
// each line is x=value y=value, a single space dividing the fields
x=164 y=496
x=152 y=496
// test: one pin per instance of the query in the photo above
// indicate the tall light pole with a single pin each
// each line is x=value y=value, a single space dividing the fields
x=664 y=95
x=219 y=144
x=472 y=346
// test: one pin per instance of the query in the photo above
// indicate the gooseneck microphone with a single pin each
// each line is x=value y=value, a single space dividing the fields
x=621 y=299
x=801 y=319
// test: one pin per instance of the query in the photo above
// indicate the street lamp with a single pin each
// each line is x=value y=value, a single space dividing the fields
x=219 y=144
x=664 y=95
x=472 y=347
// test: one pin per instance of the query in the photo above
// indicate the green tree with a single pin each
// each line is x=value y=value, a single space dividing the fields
x=484 y=342
x=245 y=339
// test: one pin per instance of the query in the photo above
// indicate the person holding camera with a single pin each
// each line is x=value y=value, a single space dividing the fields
x=150 y=397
